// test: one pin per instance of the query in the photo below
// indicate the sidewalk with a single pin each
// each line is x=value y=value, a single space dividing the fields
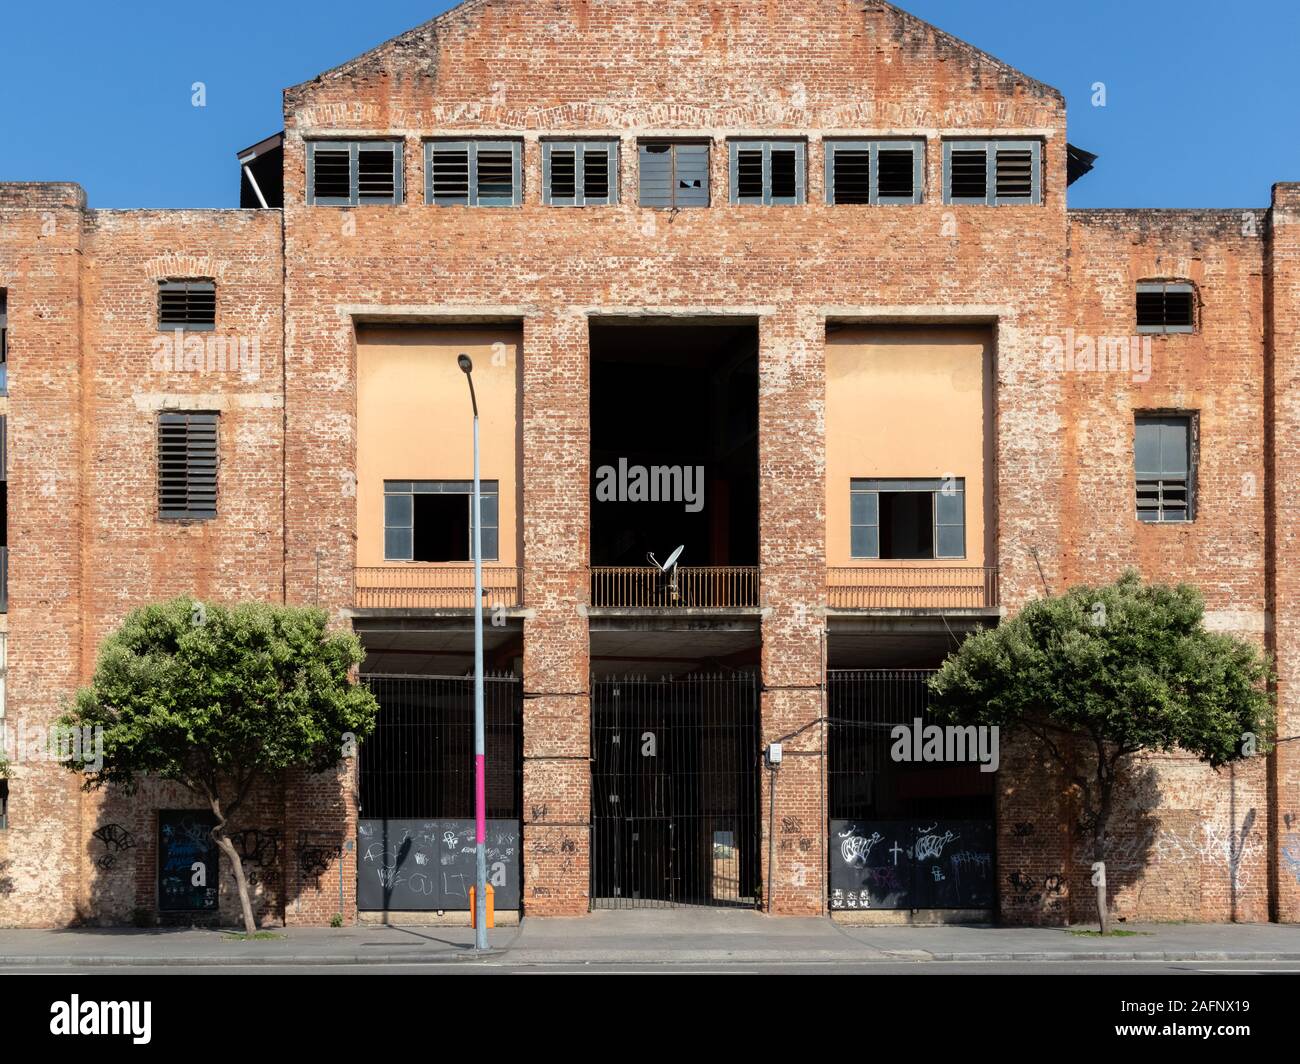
x=649 y=937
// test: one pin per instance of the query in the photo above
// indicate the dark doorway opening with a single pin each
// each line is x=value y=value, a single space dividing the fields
x=675 y=791
x=441 y=528
x=680 y=402
x=906 y=524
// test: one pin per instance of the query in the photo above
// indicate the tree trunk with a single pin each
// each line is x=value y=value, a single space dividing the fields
x=227 y=847
x=1105 y=784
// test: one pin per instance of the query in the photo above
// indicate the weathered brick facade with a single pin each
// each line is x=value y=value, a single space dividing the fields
x=86 y=380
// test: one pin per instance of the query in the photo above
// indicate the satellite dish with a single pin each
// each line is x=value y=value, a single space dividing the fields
x=672 y=559
x=668 y=571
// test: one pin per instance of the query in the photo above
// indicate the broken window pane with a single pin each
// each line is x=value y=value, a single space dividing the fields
x=674 y=175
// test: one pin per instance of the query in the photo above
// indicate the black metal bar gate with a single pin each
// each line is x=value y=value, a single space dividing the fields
x=675 y=791
x=904 y=834
x=416 y=792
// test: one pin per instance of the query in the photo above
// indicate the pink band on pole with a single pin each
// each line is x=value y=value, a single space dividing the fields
x=480 y=796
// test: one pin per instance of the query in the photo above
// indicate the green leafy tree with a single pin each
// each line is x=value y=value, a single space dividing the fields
x=217 y=698
x=1113 y=670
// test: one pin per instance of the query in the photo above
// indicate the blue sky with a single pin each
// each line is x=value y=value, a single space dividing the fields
x=90 y=94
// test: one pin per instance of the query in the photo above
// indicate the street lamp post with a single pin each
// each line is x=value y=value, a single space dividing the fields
x=480 y=757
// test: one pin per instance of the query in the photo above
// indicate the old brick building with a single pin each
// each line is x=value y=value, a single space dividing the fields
x=820 y=256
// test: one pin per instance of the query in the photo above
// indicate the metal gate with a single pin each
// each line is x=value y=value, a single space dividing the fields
x=416 y=792
x=905 y=834
x=675 y=791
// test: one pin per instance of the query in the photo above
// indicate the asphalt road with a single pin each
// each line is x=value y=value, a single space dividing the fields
x=504 y=967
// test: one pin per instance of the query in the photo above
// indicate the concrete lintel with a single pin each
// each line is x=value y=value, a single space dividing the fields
x=920 y=313
x=713 y=133
x=702 y=620
x=919 y=622
x=703 y=313
x=153 y=401
x=412 y=619
x=434 y=314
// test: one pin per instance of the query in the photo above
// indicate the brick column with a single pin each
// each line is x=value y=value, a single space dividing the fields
x=43 y=873
x=792 y=554
x=1282 y=290
x=557 y=736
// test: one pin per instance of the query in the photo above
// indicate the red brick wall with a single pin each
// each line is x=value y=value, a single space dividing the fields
x=1282 y=283
x=86 y=547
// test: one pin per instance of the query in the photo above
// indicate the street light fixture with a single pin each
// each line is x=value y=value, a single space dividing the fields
x=480 y=759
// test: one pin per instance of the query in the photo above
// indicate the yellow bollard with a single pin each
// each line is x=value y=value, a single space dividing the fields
x=490 y=907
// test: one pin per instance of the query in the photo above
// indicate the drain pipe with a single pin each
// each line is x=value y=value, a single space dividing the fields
x=248 y=173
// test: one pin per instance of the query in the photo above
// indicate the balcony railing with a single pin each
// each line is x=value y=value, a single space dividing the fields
x=693 y=587
x=912 y=587
x=444 y=587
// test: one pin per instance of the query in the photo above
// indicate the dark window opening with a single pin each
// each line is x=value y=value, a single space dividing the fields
x=680 y=404
x=187 y=466
x=969 y=174
x=433 y=520
x=1015 y=174
x=906 y=524
x=4 y=341
x=4 y=803
x=595 y=175
x=894 y=173
x=993 y=172
x=441 y=528
x=449 y=180
x=564 y=173
x=767 y=172
x=749 y=173
x=852 y=169
x=354 y=173
x=1166 y=308
x=473 y=173
x=875 y=172
x=187 y=305
x=785 y=173
x=578 y=173
x=908 y=519
x=496 y=174
x=375 y=177
x=332 y=170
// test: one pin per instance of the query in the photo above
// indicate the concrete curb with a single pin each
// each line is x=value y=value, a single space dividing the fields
x=543 y=958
